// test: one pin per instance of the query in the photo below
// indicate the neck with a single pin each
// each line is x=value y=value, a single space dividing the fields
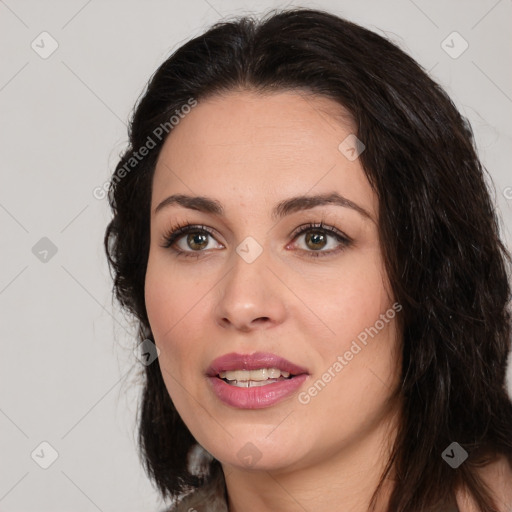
x=345 y=480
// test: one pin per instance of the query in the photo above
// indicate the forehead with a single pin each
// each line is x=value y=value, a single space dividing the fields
x=262 y=146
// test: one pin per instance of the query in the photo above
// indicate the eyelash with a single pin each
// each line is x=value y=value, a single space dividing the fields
x=177 y=231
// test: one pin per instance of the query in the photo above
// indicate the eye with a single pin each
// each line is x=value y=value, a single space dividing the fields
x=192 y=240
x=321 y=241
x=188 y=240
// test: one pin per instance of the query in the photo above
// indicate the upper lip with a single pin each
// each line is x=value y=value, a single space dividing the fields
x=234 y=361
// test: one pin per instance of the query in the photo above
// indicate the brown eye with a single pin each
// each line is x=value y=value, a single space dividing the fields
x=316 y=240
x=197 y=240
x=190 y=240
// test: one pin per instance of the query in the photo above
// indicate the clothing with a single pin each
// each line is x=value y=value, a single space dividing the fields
x=211 y=498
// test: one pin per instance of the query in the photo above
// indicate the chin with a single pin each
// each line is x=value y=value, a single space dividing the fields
x=259 y=453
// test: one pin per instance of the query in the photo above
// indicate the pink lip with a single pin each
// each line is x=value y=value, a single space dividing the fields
x=254 y=397
x=254 y=361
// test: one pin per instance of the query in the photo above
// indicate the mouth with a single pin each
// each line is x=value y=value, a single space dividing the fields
x=254 y=378
x=254 y=381
x=257 y=367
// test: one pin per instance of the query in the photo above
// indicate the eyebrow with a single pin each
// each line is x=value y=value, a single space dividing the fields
x=282 y=209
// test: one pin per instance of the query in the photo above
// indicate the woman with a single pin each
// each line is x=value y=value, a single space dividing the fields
x=303 y=229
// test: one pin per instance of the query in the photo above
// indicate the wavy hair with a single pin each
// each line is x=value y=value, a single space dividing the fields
x=439 y=234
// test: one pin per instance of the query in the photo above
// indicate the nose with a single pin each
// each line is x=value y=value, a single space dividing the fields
x=250 y=297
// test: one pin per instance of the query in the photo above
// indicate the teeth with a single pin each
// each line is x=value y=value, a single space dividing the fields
x=253 y=383
x=254 y=375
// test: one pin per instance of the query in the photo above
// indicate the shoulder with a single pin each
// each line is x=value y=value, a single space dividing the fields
x=497 y=475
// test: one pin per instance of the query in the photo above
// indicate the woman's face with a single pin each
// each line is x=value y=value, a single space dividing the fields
x=260 y=285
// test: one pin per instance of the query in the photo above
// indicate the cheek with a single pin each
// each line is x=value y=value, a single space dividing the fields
x=168 y=300
x=170 y=295
x=164 y=310
x=347 y=299
x=177 y=304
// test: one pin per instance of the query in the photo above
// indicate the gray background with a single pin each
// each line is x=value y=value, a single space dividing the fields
x=68 y=373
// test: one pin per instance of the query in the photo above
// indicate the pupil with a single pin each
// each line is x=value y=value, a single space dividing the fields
x=317 y=238
x=194 y=240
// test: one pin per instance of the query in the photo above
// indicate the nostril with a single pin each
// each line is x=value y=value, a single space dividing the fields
x=247 y=327
x=261 y=319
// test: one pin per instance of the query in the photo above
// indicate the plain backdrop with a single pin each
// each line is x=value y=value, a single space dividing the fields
x=69 y=377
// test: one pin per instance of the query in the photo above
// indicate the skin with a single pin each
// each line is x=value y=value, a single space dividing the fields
x=250 y=151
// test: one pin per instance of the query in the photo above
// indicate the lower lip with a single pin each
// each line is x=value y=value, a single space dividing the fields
x=256 y=397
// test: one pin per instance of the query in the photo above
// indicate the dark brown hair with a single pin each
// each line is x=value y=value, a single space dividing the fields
x=438 y=230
